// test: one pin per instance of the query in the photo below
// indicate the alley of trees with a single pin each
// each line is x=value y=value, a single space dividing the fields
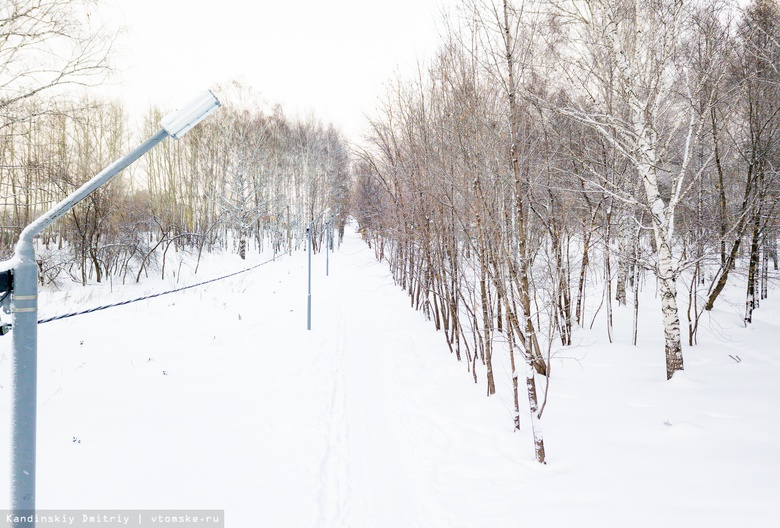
x=549 y=150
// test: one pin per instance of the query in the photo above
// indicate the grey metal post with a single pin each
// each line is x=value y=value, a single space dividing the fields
x=308 y=303
x=24 y=367
x=308 y=299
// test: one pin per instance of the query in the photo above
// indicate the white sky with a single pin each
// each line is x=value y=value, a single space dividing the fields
x=330 y=58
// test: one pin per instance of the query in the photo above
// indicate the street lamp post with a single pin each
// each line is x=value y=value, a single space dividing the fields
x=308 y=296
x=309 y=230
x=20 y=275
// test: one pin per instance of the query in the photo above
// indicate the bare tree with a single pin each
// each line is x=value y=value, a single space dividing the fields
x=758 y=138
x=44 y=45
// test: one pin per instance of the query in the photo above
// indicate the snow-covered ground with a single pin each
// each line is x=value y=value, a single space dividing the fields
x=219 y=398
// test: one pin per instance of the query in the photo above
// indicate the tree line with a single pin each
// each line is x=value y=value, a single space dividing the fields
x=246 y=176
x=550 y=144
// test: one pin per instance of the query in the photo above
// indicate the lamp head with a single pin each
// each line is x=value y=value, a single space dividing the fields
x=178 y=123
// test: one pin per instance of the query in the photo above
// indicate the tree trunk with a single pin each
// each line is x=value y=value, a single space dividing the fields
x=483 y=290
x=722 y=203
x=536 y=427
x=608 y=272
x=662 y=224
x=750 y=301
x=765 y=271
x=668 y=287
x=515 y=387
x=626 y=243
x=519 y=199
x=580 y=308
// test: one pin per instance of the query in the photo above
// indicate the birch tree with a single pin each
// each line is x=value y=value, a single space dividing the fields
x=633 y=52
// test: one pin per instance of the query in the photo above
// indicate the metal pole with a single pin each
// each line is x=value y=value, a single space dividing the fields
x=308 y=303
x=25 y=338
x=25 y=380
x=308 y=300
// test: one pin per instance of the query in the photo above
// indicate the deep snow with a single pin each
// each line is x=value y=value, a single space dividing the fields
x=218 y=397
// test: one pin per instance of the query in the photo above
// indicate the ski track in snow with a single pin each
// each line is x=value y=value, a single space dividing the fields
x=335 y=472
x=370 y=466
x=219 y=397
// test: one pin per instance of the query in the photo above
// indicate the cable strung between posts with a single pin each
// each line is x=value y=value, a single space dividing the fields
x=152 y=296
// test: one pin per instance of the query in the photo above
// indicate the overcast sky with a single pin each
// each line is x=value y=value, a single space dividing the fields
x=331 y=58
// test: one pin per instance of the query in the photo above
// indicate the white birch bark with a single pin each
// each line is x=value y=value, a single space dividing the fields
x=536 y=425
x=643 y=42
x=661 y=216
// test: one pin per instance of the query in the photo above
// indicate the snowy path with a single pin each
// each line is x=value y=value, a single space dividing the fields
x=218 y=397
x=390 y=445
x=375 y=472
